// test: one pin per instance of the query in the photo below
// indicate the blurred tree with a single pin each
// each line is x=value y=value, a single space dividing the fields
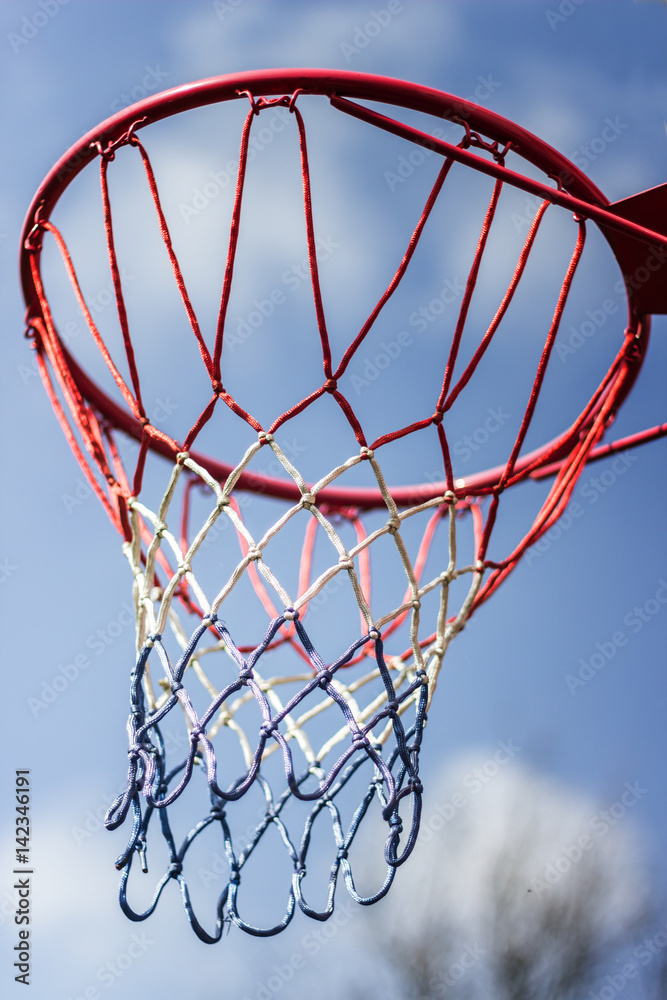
x=518 y=890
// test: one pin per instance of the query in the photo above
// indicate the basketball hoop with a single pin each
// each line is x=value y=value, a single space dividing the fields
x=304 y=727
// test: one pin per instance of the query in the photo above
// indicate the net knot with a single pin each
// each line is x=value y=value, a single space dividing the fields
x=345 y=562
x=331 y=385
x=234 y=876
x=217 y=812
x=374 y=634
x=209 y=620
x=307 y=500
x=324 y=678
x=289 y=614
x=176 y=686
x=144 y=422
x=359 y=737
x=415 y=786
x=217 y=387
x=267 y=729
x=342 y=853
x=195 y=734
x=136 y=749
x=175 y=869
x=393 y=525
x=437 y=417
x=152 y=639
x=254 y=553
x=396 y=822
x=366 y=452
x=182 y=457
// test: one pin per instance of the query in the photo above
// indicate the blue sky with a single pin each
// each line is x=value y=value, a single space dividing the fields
x=567 y=72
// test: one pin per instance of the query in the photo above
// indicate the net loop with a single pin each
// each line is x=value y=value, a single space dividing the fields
x=472 y=138
x=262 y=103
x=108 y=152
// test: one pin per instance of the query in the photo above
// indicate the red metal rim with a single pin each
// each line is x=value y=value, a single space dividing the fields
x=329 y=83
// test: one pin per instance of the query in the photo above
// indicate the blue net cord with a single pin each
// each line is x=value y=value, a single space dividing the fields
x=394 y=779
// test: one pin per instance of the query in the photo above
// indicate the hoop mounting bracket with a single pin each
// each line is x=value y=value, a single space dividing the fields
x=642 y=264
